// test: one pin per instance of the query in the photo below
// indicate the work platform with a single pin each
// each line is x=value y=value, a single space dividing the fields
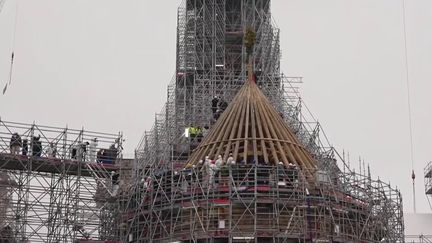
x=52 y=165
x=263 y=203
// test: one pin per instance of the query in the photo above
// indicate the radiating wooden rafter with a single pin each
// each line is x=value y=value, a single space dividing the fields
x=254 y=132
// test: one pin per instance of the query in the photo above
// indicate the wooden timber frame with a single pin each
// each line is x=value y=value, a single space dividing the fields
x=253 y=132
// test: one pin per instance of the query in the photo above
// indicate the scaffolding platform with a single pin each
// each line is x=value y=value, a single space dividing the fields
x=51 y=165
x=265 y=202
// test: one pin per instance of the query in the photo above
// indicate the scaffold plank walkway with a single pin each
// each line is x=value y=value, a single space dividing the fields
x=51 y=165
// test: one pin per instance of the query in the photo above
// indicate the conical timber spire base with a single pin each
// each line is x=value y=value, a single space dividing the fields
x=253 y=132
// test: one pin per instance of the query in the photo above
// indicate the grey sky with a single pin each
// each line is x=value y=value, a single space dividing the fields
x=105 y=65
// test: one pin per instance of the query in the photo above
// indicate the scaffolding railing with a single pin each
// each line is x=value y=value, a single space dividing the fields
x=60 y=143
x=263 y=202
x=418 y=239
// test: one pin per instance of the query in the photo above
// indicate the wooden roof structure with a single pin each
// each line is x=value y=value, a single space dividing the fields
x=253 y=132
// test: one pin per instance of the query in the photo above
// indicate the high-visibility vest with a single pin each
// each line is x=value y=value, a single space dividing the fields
x=192 y=131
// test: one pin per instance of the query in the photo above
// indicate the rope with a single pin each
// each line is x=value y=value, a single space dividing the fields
x=11 y=68
x=13 y=41
x=408 y=85
x=409 y=102
x=13 y=50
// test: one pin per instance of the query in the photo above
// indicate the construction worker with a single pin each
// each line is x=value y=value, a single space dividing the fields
x=25 y=147
x=292 y=172
x=206 y=170
x=112 y=154
x=191 y=131
x=207 y=163
x=15 y=143
x=282 y=182
x=36 y=146
x=219 y=162
x=212 y=173
x=147 y=183
x=231 y=160
x=217 y=114
x=100 y=156
x=205 y=131
x=194 y=131
x=199 y=133
x=92 y=150
x=218 y=166
x=51 y=151
x=215 y=102
x=222 y=105
x=115 y=182
x=80 y=151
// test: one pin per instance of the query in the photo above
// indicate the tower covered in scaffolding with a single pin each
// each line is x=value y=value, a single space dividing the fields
x=234 y=156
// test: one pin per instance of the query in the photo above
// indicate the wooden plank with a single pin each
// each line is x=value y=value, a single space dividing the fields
x=273 y=132
x=260 y=116
x=246 y=136
x=232 y=134
x=239 y=132
x=254 y=132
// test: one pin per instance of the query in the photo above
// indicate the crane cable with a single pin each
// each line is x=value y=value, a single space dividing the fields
x=409 y=103
x=13 y=49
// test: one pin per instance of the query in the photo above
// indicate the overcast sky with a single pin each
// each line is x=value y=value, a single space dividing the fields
x=105 y=65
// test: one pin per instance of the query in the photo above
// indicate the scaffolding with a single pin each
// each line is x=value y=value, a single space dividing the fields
x=265 y=204
x=418 y=239
x=57 y=185
x=428 y=179
x=168 y=202
x=428 y=182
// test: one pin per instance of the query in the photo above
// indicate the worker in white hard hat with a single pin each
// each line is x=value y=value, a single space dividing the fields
x=215 y=102
x=206 y=169
x=230 y=160
x=92 y=150
x=115 y=182
x=219 y=162
x=212 y=172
